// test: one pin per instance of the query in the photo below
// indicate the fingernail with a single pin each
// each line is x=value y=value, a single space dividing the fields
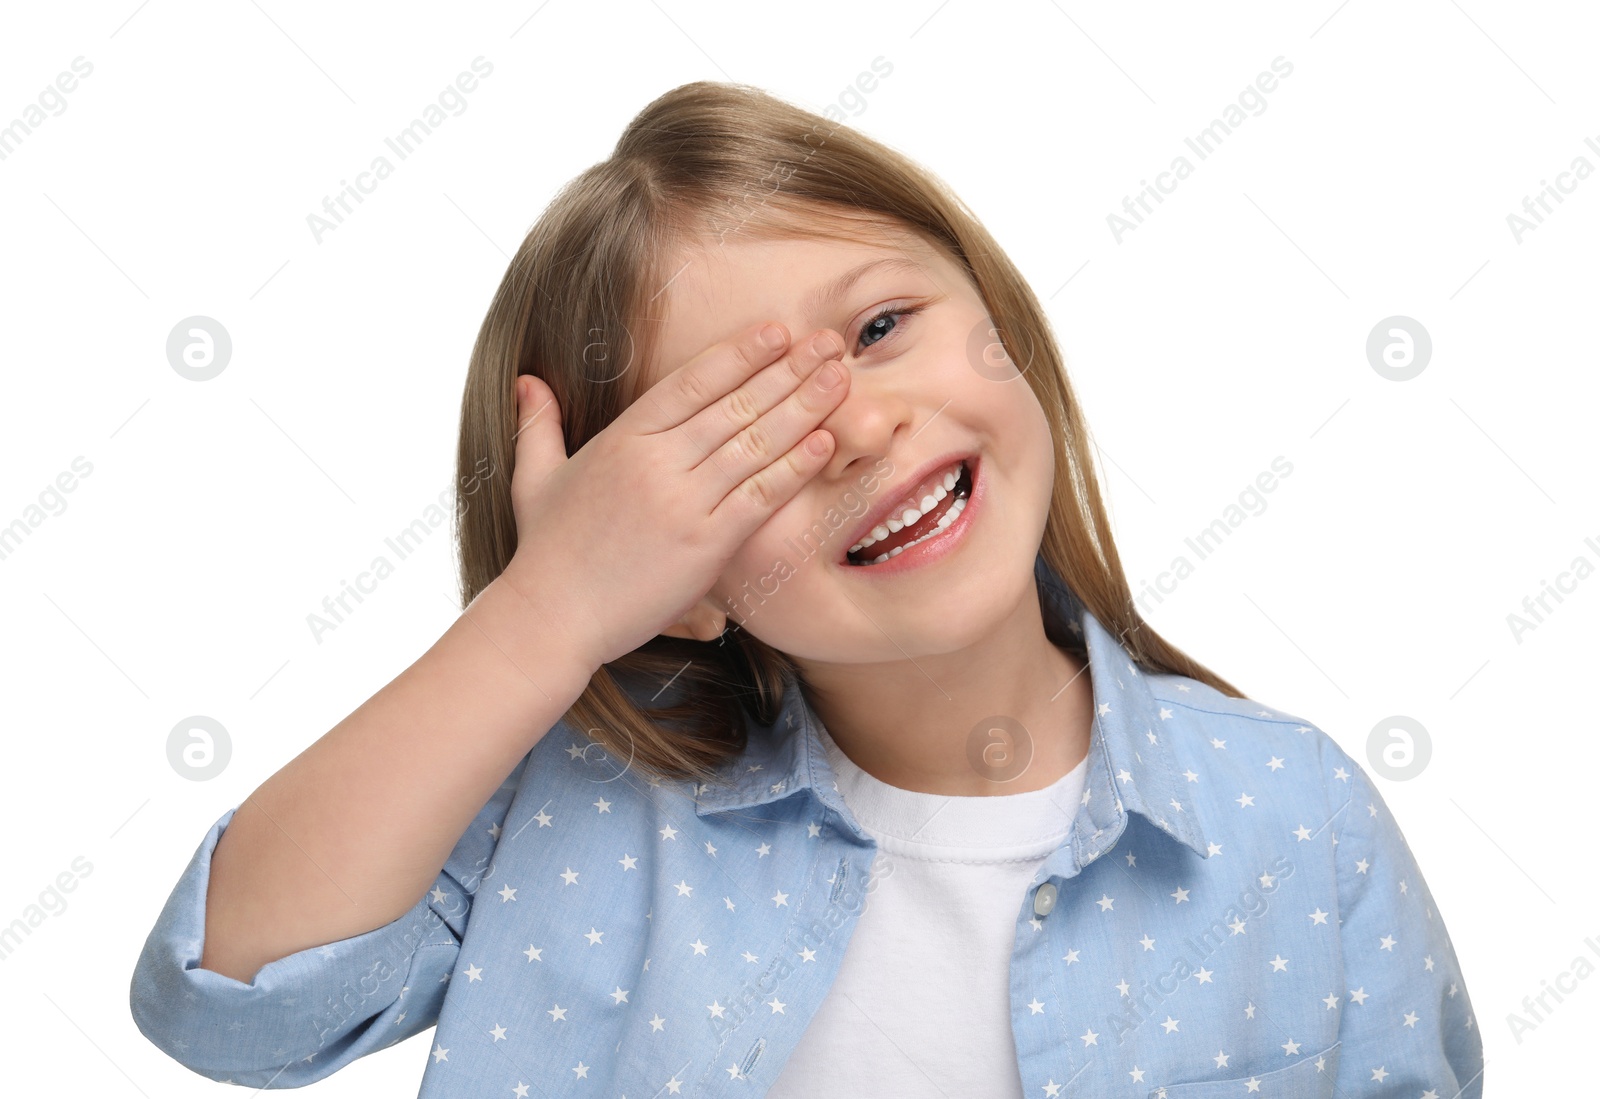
x=825 y=346
x=772 y=336
x=830 y=376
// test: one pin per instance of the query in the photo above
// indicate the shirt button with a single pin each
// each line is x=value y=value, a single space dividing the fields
x=1044 y=900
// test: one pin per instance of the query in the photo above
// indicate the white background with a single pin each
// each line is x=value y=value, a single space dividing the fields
x=1228 y=329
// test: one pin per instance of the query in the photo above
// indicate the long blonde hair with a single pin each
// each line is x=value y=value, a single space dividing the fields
x=703 y=161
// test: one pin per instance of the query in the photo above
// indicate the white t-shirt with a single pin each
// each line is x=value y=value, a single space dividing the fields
x=921 y=1006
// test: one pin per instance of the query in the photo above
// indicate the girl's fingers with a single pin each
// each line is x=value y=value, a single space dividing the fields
x=754 y=499
x=753 y=426
x=781 y=428
x=706 y=379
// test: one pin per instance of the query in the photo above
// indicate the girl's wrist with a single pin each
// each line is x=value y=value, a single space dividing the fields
x=536 y=630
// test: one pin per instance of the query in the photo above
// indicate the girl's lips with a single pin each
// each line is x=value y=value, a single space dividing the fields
x=896 y=501
x=942 y=499
x=939 y=545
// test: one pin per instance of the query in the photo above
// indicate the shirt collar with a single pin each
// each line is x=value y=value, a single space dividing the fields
x=1131 y=767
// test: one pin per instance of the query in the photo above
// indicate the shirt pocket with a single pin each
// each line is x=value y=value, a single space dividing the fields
x=1302 y=1080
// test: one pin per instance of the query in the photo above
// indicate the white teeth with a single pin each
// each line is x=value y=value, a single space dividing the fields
x=911 y=515
x=944 y=521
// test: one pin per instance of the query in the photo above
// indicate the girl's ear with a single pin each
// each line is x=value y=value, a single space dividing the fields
x=705 y=621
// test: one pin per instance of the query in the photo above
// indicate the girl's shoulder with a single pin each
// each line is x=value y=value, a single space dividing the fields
x=1246 y=734
x=1203 y=700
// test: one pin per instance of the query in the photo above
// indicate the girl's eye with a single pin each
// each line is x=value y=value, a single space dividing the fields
x=879 y=330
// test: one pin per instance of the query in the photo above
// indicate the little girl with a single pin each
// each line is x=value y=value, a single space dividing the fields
x=800 y=736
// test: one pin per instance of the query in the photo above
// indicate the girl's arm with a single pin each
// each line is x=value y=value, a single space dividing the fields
x=305 y=1016
x=349 y=834
x=1406 y=1023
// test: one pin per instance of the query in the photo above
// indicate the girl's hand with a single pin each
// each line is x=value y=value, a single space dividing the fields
x=631 y=531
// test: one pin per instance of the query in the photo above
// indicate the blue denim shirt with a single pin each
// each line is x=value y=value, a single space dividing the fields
x=1234 y=913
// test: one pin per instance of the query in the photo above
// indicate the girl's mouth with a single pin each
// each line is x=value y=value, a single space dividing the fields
x=916 y=525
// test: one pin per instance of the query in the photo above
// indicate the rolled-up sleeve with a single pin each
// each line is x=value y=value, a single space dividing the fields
x=306 y=1015
x=1406 y=1026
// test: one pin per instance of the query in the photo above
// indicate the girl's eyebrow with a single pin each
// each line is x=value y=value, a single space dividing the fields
x=830 y=292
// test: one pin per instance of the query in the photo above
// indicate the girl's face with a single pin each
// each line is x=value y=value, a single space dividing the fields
x=929 y=383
